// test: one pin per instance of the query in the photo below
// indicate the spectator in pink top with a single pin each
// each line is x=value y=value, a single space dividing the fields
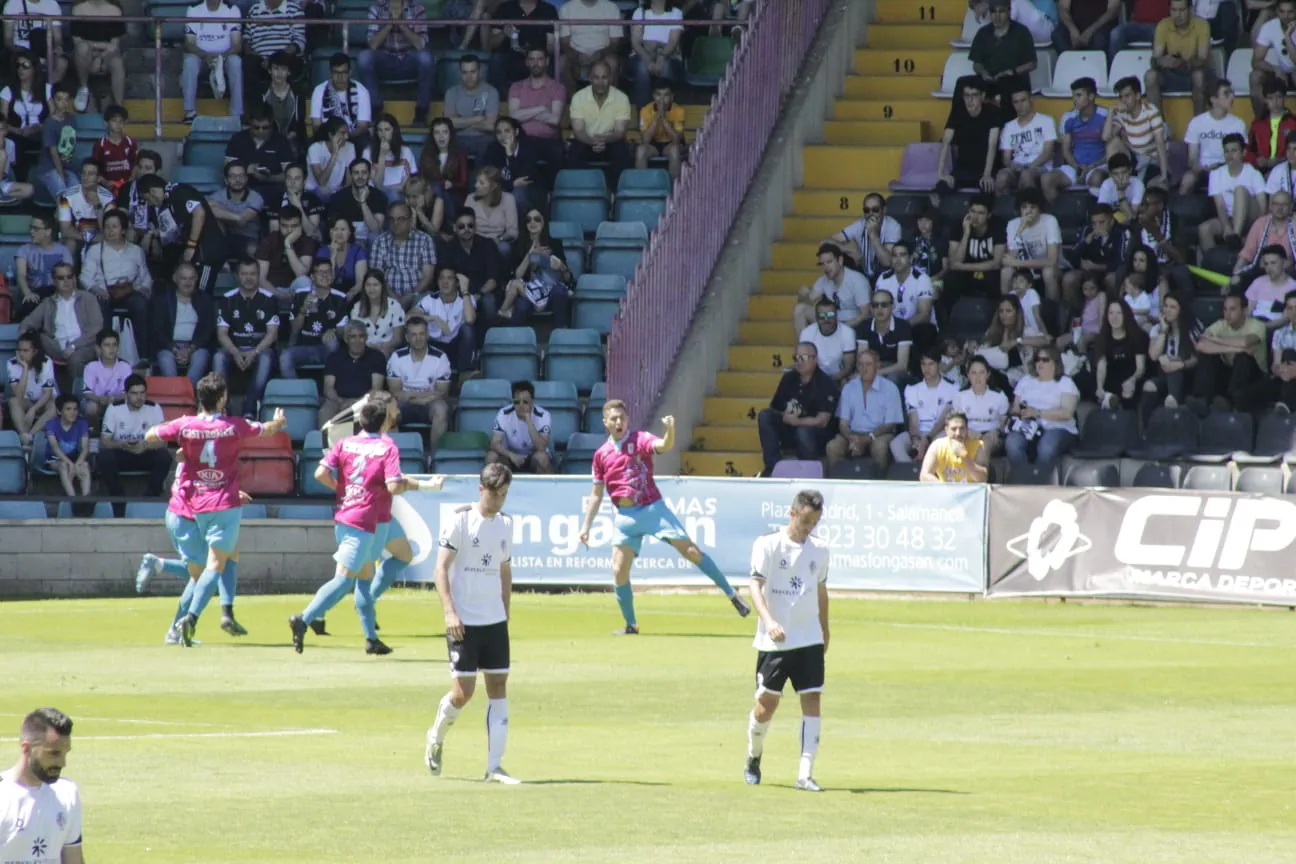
x=211 y=443
x=1267 y=294
x=105 y=379
x=537 y=102
x=624 y=465
x=364 y=470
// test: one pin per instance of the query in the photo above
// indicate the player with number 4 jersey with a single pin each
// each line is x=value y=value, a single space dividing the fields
x=211 y=443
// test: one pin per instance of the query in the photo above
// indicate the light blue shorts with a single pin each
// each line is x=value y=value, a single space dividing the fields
x=395 y=531
x=220 y=528
x=187 y=539
x=357 y=548
x=632 y=524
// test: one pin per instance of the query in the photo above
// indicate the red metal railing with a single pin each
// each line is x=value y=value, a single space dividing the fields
x=676 y=268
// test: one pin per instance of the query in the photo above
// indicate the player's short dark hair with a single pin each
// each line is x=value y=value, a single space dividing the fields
x=662 y=84
x=359 y=160
x=524 y=387
x=291 y=212
x=469 y=60
x=1273 y=249
x=1155 y=193
x=65 y=88
x=956 y=415
x=982 y=199
x=1119 y=160
x=211 y=390
x=887 y=292
x=106 y=334
x=1030 y=196
x=808 y=499
x=320 y=262
x=495 y=477
x=1130 y=82
x=63 y=401
x=415 y=321
x=90 y=160
x=1271 y=85
x=1289 y=297
x=36 y=725
x=231 y=165
x=374 y=413
x=829 y=249
x=908 y=247
x=341 y=58
x=613 y=405
x=1219 y=83
x=1234 y=138
x=134 y=380
x=1103 y=209
x=149 y=182
x=115 y=111
x=1089 y=85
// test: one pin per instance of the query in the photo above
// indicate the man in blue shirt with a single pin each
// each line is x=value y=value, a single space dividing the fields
x=868 y=415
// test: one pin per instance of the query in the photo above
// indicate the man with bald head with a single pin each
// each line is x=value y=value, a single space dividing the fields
x=600 y=116
x=801 y=413
x=406 y=255
x=182 y=323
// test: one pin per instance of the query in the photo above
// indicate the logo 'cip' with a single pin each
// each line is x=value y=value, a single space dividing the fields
x=1223 y=531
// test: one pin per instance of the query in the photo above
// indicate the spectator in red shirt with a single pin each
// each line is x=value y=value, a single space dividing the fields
x=116 y=151
x=1140 y=27
x=1267 y=138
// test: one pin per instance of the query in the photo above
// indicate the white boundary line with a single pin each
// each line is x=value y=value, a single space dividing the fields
x=144 y=722
x=1008 y=631
x=155 y=736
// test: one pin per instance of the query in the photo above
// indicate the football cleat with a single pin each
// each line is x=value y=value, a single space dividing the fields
x=752 y=772
x=499 y=775
x=173 y=635
x=741 y=605
x=808 y=784
x=317 y=627
x=432 y=756
x=376 y=646
x=149 y=567
x=628 y=630
x=232 y=627
x=188 y=624
x=298 y=627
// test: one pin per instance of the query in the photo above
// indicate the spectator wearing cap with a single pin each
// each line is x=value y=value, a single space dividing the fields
x=399 y=50
x=801 y=412
x=1003 y=51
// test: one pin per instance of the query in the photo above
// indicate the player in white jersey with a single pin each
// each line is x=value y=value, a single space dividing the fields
x=40 y=812
x=789 y=588
x=474 y=578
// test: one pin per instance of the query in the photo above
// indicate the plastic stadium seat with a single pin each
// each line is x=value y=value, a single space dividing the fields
x=479 y=401
x=461 y=452
x=576 y=356
x=177 y=392
x=266 y=466
x=708 y=60
x=1275 y=441
x=511 y=353
x=560 y=399
x=641 y=211
x=146 y=509
x=617 y=262
x=100 y=510
x=1027 y=474
x=320 y=512
x=855 y=469
x=1207 y=309
x=17 y=225
x=580 y=182
x=919 y=168
x=22 y=510
x=1093 y=475
x=1239 y=71
x=205 y=178
x=1042 y=75
x=1077 y=64
x=213 y=127
x=970 y=317
x=580 y=452
x=13 y=464
x=597 y=301
x=569 y=233
x=1170 y=433
x=620 y=235
x=905 y=472
x=809 y=469
x=447 y=69
x=292 y=391
x=410 y=444
x=957 y=65
x=1107 y=435
x=1154 y=476
x=587 y=211
x=204 y=152
x=594 y=409
x=1224 y=433
x=1262 y=480
x=1209 y=478
x=643 y=183
x=1134 y=62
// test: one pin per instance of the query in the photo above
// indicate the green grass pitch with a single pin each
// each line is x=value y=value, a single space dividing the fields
x=1014 y=733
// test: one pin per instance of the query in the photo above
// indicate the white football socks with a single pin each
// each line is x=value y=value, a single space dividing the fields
x=496 y=731
x=809 y=746
x=755 y=736
x=447 y=714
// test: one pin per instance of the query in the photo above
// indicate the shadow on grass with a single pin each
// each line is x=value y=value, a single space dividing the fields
x=572 y=782
x=884 y=790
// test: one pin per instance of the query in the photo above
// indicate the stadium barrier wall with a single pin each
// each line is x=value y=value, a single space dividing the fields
x=759 y=223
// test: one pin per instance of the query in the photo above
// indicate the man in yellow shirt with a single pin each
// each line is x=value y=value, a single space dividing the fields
x=1180 y=56
x=661 y=127
x=956 y=458
x=600 y=116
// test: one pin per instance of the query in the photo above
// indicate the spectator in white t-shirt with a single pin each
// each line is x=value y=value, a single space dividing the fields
x=418 y=376
x=329 y=159
x=1271 y=54
x=1044 y=406
x=122 y=446
x=451 y=313
x=1028 y=144
x=986 y=409
x=520 y=438
x=915 y=298
x=1238 y=191
x=1205 y=137
x=926 y=404
x=848 y=290
x=1034 y=332
x=834 y=341
x=1034 y=243
x=1122 y=191
x=867 y=241
x=214 y=42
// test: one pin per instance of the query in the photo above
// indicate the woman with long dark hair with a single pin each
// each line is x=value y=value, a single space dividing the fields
x=444 y=164
x=393 y=162
x=515 y=157
x=538 y=275
x=380 y=313
x=1173 y=354
x=25 y=102
x=1121 y=355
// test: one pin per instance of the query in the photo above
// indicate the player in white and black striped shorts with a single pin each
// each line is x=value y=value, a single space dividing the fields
x=789 y=587
x=474 y=578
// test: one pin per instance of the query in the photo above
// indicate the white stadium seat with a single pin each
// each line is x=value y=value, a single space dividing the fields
x=1043 y=74
x=1077 y=64
x=1239 y=71
x=1127 y=63
x=956 y=66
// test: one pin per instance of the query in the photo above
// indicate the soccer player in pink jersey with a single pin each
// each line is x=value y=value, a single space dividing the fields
x=364 y=470
x=211 y=443
x=624 y=466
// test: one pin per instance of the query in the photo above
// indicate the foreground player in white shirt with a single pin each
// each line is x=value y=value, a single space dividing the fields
x=789 y=588
x=40 y=813
x=474 y=578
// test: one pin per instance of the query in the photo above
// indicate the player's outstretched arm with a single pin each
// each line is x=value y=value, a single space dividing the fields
x=596 y=501
x=666 y=443
x=276 y=425
x=416 y=483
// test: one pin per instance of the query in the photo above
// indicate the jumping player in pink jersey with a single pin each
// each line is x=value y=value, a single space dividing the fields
x=211 y=444
x=624 y=466
x=364 y=470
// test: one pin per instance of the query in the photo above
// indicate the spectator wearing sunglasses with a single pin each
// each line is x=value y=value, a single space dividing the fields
x=867 y=242
x=520 y=438
x=889 y=337
x=477 y=258
x=834 y=341
x=801 y=413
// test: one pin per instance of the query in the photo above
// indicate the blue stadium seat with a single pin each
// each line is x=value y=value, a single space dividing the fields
x=560 y=399
x=641 y=211
x=13 y=474
x=202 y=153
x=146 y=509
x=89 y=125
x=299 y=399
x=448 y=69
x=620 y=235
x=586 y=211
x=461 y=453
x=580 y=452
x=597 y=300
x=575 y=356
x=205 y=178
x=254 y=511
x=617 y=262
x=16 y=226
x=511 y=353
x=581 y=181
x=644 y=183
x=320 y=512
x=594 y=409
x=576 y=258
x=22 y=510
x=568 y=232
x=411 y=451
x=210 y=128
x=102 y=510
x=479 y=401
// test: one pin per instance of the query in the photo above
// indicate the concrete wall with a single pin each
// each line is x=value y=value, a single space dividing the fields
x=706 y=348
x=98 y=558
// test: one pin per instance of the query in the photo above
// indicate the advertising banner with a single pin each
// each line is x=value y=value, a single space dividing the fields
x=1148 y=544
x=883 y=536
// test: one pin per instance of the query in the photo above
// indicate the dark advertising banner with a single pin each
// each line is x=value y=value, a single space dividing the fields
x=1153 y=544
